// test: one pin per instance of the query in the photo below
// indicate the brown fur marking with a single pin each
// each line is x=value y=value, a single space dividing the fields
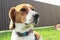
x=37 y=34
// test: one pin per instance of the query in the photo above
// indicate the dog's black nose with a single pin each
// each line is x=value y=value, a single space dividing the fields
x=36 y=16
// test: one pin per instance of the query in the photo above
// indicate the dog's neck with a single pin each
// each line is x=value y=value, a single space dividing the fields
x=21 y=27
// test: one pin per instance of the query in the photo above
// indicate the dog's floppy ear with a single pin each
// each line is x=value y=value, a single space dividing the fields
x=11 y=13
x=12 y=18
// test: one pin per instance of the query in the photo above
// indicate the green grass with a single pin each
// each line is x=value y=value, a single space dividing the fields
x=5 y=36
x=47 y=34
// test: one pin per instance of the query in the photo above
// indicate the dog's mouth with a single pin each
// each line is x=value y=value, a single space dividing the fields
x=35 y=21
x=36 y=18
x=32 y=24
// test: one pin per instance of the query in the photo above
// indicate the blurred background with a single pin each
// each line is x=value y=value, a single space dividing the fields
x=49 y=11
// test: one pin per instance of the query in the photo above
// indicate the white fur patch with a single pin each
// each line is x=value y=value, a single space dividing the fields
x=41 y=38
x=20 y=27
x=29 y=17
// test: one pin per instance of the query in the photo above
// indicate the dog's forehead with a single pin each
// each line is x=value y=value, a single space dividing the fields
x=18 y=7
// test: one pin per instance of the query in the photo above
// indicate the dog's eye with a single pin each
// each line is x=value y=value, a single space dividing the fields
x=33 y=9
x=23 y=10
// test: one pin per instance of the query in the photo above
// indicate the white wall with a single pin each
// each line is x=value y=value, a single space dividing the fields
x=53 y=2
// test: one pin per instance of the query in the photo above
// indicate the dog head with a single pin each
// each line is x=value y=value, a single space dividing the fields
x=23 y=13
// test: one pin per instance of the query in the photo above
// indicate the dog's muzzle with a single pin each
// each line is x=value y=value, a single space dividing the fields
x=36 y=16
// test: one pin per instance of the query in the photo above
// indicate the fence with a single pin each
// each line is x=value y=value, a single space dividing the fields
x=49 y=14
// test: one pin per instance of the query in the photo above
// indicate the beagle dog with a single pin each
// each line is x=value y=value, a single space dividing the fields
x=23 y=18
